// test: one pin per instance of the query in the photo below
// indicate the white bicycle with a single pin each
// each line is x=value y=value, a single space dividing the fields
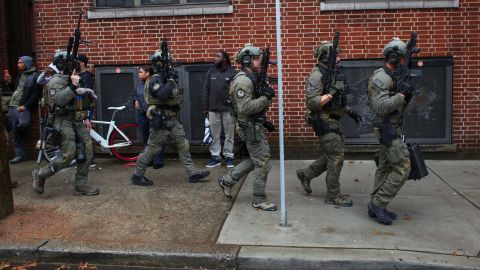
x=117 y=141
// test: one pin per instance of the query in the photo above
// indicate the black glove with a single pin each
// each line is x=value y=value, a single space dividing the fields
x=355 y=116
x=332 y=91
x=269 y=126
x=172 y=74
x=267 y=92
x=405 y=88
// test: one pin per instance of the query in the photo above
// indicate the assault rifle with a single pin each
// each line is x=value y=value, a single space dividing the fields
x=166 y=67
x=263 y=81
x=72 y=50
x=333 y=75
x=404 y=72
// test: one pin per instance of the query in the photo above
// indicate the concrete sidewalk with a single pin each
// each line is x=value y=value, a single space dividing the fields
x=178 y=224
x=438 y=224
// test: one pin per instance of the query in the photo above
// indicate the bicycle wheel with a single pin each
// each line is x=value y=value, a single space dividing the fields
x=50 y=150
x=125 y=153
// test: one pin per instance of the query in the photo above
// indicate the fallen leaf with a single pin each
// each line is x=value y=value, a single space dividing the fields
x=62 y=267
x=406 y=217
x=85 y=266
x=4 y=265
x=356 y=180
x=25 y=266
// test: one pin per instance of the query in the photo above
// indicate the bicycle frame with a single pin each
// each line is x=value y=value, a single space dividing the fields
x=104 y=142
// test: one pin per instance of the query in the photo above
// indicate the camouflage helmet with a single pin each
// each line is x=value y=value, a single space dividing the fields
x=248 y=50
x=395 y=45
x=60 y=54
x=157 y=55
x=322 y=50
x=60 y=59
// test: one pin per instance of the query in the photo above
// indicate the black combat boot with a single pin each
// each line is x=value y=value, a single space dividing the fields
x=140 y=180
x=198 y=176
x=85 y=190
x=382 y=216
x=304 y=181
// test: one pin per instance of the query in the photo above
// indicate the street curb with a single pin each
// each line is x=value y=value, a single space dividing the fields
x=107 y=257
x=287 y=258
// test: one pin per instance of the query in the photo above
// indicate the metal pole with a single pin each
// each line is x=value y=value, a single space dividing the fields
x=283 y=210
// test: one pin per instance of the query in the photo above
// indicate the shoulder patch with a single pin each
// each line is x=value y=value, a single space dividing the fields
x=379 y=83
x=240 y=93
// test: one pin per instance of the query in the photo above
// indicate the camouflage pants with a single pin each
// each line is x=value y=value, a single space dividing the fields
x=68 y=126
x=392 y=172
x=259 y=153
x=160 y=137
x=332 y=148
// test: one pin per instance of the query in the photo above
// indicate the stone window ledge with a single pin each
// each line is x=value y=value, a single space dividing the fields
x=349 y=5
x=111 y=13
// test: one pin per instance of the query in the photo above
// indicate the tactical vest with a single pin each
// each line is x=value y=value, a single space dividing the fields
x=233 y=100
x=153 y=102
x=332 y=112
x=78 y=105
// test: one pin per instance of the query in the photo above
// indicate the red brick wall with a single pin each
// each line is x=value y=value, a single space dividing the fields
x=3 y=38
x=442 y=32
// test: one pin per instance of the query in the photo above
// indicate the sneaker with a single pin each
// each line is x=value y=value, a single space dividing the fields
x=339 y=201
x=304 y=181
x=392 y=215
x=214 y=162
x=93 y=166
x=379 y=213
x=17 y=159
x=266 y=206
x=38 y=182
x=226 y=187
x=85 y=190
x=198 y=176
x=229 y=162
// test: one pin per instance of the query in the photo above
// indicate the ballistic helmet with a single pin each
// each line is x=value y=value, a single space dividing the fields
x=244 y=56
x=394 y=49
x=321 y=52
x=60 y=59
x=157 y=55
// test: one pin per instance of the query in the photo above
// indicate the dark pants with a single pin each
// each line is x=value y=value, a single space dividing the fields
x=20 y=125
x=144 y=123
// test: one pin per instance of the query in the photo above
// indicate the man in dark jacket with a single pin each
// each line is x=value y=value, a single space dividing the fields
x=24 y=99
x=215 y=95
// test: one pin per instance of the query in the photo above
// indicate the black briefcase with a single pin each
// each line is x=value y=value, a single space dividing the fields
x=418 y=168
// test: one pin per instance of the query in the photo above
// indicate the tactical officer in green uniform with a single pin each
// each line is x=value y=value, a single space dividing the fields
x=247 y=102
x=386 y=99
x=69 y=116
x=326 y=107
x=163 y=98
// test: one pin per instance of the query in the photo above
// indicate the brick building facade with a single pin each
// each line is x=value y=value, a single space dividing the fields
x=125 y=36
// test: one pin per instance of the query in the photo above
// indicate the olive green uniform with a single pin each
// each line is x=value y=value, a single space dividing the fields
x=171 y=132
x=69 y=120
x=394 y=159
x=246 y=105
x=332 y=145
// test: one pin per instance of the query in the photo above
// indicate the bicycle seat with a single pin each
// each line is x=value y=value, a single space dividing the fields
x=117 y=108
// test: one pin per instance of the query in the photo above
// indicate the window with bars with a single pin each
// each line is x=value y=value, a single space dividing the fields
x=385 y=4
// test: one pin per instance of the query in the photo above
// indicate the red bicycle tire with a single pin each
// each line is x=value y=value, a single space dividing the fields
x=111 y=140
